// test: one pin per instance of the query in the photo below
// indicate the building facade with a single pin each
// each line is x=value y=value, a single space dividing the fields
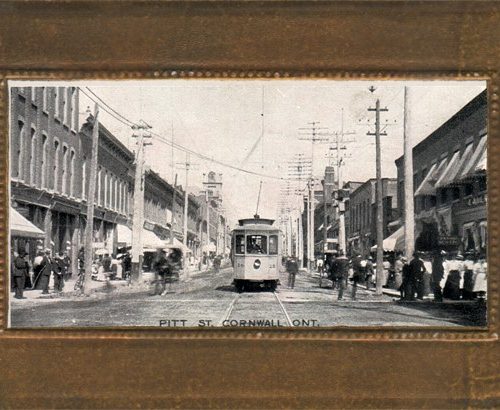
x=362 y=229
x=450 y=186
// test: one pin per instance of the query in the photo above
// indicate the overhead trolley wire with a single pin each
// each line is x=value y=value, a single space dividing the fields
x=124 y=120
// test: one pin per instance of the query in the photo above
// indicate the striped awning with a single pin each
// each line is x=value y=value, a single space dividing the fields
x=21 y=227
x=427 y=187
x=477 y=162
x=450 y=171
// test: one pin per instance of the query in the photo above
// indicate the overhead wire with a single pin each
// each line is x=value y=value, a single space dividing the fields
x=124 y=120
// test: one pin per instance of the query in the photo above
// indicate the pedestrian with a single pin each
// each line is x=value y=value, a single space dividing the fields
x=67 y=265
x=386 y=269
x=19 y=272
x=358 y=273
x=369 y=272
x=292 y=268
x=417 y=270
x=46 y=271
x=398 y=273
x=480 y=276
x=59 y=270
x=405 y=288
x=437 y=275
x=468 y=283
x=319 y=265
x=452 y=286
x=160 y=267
x=341 y=273
x=28 y=283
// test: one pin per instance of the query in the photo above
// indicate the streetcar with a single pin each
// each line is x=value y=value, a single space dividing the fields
x=256 y=253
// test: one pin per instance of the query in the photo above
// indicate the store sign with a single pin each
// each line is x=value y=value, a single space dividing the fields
x=448 y=240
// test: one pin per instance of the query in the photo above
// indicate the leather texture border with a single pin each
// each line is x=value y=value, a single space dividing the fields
x=241 y=368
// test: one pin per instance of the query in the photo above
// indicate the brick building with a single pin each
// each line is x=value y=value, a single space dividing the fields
x=362 y=230
x=450 y=182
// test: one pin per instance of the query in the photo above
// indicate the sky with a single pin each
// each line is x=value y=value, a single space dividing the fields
x=258 y=125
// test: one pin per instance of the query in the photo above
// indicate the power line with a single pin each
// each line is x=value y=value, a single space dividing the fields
x=119 y=117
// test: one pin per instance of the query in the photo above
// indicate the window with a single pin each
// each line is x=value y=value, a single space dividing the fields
x=482 y=184
x=99 y=186
x=72 y=173
x=20 y=150
x=444 y=196
x=33 y=157
x=72 y=108
x=256 y=244
x=33 y=94
x=84 y=178
x=44 y=161
x=455 y=193
x=64 y=188
x=106 y=188
x=273 y=244
x=239 y=244
x=56 y=102
x=56 y=165
x=45 y=98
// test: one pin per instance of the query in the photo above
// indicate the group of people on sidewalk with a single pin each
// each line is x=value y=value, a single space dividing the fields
x=36 y=274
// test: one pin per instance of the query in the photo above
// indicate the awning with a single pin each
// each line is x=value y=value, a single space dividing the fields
x=151 y=240
x=394 y=242
x=449 y=172
x=124 y=234
x=20 y=226
x=477 y=160
x=427 y=187
x=464 y=161
x=177 y=244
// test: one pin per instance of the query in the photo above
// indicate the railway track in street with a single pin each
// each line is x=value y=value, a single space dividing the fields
x=256 y=309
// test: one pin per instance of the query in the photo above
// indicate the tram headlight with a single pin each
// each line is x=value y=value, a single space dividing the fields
x=256 y=264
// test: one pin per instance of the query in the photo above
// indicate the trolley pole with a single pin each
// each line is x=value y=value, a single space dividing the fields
x=89 y=228
x=379 y=220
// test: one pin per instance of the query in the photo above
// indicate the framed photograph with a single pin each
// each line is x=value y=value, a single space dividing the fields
x=243 y=204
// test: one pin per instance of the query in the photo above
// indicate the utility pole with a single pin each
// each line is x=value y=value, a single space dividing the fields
x=187 y=165
x=339 y=148
x=313 y=134
x=89 y=228
x=172 y=217
x=409 y=220
x=380 y=220
x=138 y=212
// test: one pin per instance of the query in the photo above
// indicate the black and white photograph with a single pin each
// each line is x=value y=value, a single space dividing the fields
x=248 y=203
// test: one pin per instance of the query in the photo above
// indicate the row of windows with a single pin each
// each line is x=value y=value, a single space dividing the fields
x=360 y=215
x=30 y=153
x=111 y=191
x=156 y=211
x=64 y=99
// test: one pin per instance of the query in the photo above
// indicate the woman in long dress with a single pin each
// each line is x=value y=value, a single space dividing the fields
x=480 y=272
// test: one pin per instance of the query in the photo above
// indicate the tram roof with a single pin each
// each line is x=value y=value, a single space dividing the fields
x=256 y=220
x=257 y=227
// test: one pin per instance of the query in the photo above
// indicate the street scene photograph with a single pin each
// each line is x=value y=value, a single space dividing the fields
x=248 y=203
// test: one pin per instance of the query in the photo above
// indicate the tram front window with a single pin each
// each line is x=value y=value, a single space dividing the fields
x=239 y=245
x=273 y=244
x=256 y=244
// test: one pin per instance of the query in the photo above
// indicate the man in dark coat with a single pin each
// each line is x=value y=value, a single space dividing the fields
x=292 y=268
x=358 y=273
x=59 y=269
x=20 y=271
x=417 y=270
x=437 y=276
x=47 y=267
x=340 y=272
x=161 y=269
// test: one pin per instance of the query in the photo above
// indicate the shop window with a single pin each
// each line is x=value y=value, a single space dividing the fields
x=273 y=244
x=256 y=244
